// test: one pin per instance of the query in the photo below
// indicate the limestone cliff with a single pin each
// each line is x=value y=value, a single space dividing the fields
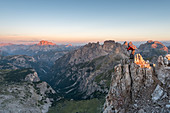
x=139 y=90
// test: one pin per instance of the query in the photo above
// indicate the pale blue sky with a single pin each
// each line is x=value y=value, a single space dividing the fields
x=84 y=20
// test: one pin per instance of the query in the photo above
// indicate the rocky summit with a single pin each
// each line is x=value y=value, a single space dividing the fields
x=45 y=43
x=139 y=90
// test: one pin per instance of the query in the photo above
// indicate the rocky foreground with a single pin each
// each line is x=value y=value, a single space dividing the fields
x=21 y=91
x=135 y=89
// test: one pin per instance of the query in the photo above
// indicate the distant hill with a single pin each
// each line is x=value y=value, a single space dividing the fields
x=152 y=49
x=5 y=44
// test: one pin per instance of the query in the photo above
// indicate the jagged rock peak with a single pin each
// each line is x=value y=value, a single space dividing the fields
x=86 y=53
x=92 y=44
x=136 y=89
x=109 y=45
x=43 y=42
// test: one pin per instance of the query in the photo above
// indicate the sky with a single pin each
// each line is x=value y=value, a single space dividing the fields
x=81 y=21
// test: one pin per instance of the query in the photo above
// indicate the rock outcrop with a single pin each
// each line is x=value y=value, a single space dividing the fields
x=45 y=43
x=135 y=89
x=138 y=59
x=22 y=91
x=168 y=56
x=32 y=77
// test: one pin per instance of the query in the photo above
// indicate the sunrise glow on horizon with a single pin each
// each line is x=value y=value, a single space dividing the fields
x=81 y=21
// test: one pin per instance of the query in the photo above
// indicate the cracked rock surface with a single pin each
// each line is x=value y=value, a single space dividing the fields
x=139 y=90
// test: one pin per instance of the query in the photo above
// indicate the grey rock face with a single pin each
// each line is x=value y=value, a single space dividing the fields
x=166 y=61
x=162 y=71
x=136 y=89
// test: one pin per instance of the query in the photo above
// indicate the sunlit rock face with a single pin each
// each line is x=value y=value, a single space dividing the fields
x=141 y=62
x=134 y=89
x=168 y=56
x=153 y=44
x=43 y=42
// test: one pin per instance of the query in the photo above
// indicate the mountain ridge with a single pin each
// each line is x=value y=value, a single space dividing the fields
x=75 y=72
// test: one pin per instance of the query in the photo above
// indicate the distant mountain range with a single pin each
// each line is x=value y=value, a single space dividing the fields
x=44 y=53
x=5 y=44
x=78 y=73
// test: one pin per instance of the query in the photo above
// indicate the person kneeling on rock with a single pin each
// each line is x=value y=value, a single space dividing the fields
x=132 y=48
